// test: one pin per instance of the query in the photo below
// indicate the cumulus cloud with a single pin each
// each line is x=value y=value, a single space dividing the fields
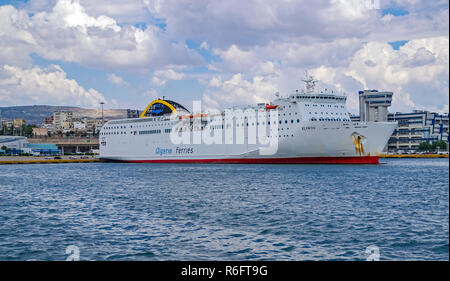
x=417 y=73
x=117 y=80
x=124 y=12
x=255 y=22
x=161 y=77
x=204 y=45
x=67 y=32
x=238 y=90
x=254 y=48
x=345 y=43
x=44 y=86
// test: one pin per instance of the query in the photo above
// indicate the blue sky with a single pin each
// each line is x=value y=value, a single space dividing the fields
x=76 y=52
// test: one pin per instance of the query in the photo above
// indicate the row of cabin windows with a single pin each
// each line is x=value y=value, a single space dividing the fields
x=147 y=132
x=319 y=97
x=215 y=127
x=287 y=121
x=284 y=114
x=322 y=105
x=327 y=113
x=329 y=119
x=131 y=126
x=113 y=133
x=140 y=132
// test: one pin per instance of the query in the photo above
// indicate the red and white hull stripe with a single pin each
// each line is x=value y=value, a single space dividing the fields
x=288 y=160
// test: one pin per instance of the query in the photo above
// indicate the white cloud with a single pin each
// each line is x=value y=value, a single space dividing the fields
x=116 y=80
x=125 y=12
x=204 y=46
x=74 y=15
x=256 y=22
x=237 y=90
x=67 y=32
x=43 y=86
x=263 y=46
x=417 y=73
x=343 y=41
x=161 y=77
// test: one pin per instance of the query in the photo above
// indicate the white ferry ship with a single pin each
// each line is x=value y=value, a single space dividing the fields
x=310 y=128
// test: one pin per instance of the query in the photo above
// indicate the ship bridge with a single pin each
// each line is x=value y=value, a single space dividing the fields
x=160 y=107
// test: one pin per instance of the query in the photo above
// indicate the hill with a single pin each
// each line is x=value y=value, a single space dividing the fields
x=35 y=114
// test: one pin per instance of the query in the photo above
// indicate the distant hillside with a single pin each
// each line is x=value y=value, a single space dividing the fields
x=35 y=114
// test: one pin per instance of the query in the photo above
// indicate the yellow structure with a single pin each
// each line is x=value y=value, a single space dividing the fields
x=358 y=141
x=174 y=111
x=414 y=156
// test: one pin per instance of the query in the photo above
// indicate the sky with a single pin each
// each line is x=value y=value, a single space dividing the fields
x=224 y=53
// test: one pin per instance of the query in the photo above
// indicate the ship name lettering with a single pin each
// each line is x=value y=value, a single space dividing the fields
x=182 y=150
x=163 y=151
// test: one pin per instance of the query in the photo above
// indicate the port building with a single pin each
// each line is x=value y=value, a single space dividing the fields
x=14 y=144
x=17 y=145
x=417 y=127
x=413 y=128
x=373 y=105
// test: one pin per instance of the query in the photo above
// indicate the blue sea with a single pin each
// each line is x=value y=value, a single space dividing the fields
x=118 y=211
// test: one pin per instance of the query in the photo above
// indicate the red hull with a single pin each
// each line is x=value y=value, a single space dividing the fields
x=297 y=160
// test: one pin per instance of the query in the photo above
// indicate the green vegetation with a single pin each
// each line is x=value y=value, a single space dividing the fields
x=440 y=144
x=28 y=130
x=425 y=146
x=4 y=131
x=25 y=130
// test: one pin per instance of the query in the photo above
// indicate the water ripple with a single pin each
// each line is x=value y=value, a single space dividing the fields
x=113 y=211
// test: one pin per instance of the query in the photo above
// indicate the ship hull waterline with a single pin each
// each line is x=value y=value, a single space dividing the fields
x=286 y=160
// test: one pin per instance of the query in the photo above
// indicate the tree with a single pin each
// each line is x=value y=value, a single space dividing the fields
x=440 y=144
x=423 y=146
x=28 y=130
x=4 y=147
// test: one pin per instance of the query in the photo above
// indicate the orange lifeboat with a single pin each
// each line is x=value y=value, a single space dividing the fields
x=269 y=106
x=201 y=115
x=198 y=115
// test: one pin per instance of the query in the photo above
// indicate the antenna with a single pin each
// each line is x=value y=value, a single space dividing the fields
x=310 y=82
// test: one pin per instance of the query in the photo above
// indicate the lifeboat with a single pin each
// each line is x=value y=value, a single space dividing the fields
x=198 y=115
x=270 y=106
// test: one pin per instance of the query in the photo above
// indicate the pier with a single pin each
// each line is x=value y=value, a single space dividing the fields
x=44 y=160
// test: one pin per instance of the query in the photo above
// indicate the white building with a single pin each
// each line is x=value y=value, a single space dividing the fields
x=417 y=127
x=79 y=125
x=13 y=142
x=62 y=119
x=373 y=105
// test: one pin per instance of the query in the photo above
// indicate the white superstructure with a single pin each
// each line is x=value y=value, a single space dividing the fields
x=306 y=127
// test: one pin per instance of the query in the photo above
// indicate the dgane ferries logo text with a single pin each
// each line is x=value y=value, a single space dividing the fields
x=252 y=126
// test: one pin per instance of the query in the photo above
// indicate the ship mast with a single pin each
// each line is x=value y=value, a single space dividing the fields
x=310 y=82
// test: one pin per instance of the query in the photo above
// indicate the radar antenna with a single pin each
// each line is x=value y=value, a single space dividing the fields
x=310 y=82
